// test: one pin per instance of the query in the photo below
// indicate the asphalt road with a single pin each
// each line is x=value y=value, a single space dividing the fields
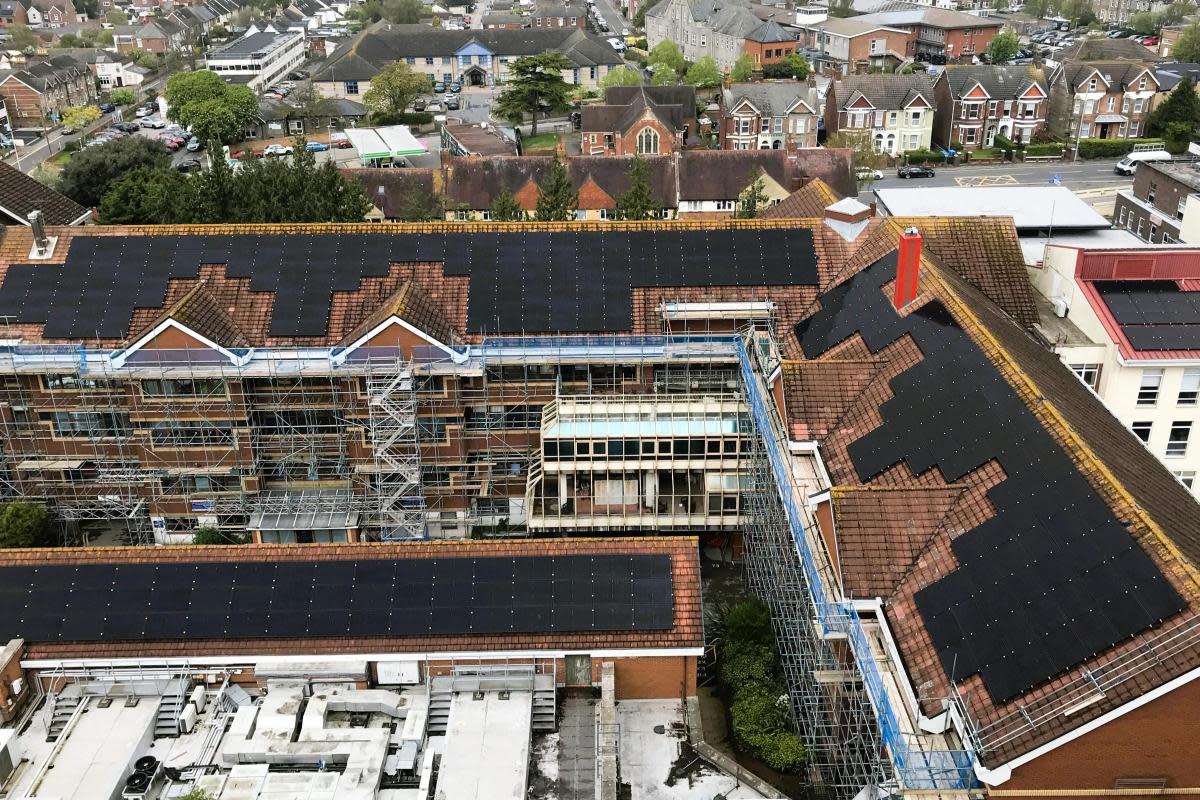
x=612 y=15
x=1091 y=178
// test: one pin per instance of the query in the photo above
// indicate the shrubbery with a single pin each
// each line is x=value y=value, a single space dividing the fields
x=923 y=157
x=1048 y=149
x=1110 y=148
x=749 y=667
x=401 y=118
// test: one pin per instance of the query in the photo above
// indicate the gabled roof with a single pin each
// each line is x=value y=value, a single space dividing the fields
x=771 y=98
x=1101 y=48
x=1117 y=75
x=810 y=200
x=724 y=174
x=885 y=92
x=1000 y=82
x=769 y=32
x=390 y=189
x=475 y=183
x=929 y=16
x=200 y=312
x=21 y=194
x=413 y=305
x=673 y=106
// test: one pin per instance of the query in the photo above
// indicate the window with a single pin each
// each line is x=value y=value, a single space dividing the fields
x=182 y=387
x=350 y=87
x=1177 y=442
x=429 y=60
x=1189 y=388
x=1121 y=218
x=1142 y=84
x=992 y=105
x=1141 y=224
x=741 y=125
x=1151 y=192
x=1085 y=130
x=197 y=433
x=1088 y=373
x=1137 y=105
x=1092 y=85
x=1151 y=382
x=88 y=424
x=1142 y=430
x=1186 y=477
x=74 y=383
x=1112 y=103
x=969 y=136
x=724 y=205
x=1126 y=104
x=197 y=484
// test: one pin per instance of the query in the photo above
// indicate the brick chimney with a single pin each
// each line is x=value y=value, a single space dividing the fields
x=908 y=267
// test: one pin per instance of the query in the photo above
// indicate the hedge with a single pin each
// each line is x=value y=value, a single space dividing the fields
x=1110 y=148
x=401 y=118
x=1050 y=149
x=923 y=156
x=1002 y=142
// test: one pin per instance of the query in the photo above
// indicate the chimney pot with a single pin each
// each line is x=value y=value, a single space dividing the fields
x=908 y=267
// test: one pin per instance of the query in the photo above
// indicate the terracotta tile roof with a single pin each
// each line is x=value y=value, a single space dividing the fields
x=687 y=630
x=200 y=311
x=818 y=393
x=810 y=200
x=412 y=304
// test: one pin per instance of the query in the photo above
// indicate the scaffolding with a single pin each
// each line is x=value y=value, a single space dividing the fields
x=397 y=460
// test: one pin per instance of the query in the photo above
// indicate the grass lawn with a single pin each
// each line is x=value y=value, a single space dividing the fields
x=543 y=141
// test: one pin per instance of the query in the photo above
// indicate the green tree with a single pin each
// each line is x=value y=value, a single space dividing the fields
x=1080 y=12
x=420 y=205
x=122 y=97
x=214 y=110
x=863 y=157
x=149 y=196
x=312 y=105
x=557 y=198
x=104 y=38
x=1143 y=22
x=638 y=201
x=79 y=117
x=404 y=12
x=704 y=73
x=1174 y=13
x=505 y=207
x=71 y=40
x=25 y=524
x=1177 y=137
x=663 y=75
x=1037 y=8
x=639 y=19
x=1003 y=47
x=743 y=69
x=1182 y=106
x=841 y=8
x=1000 y=5
x=395 y=88
x=90 y=173
x=752 y=199
x=116 y=18
x=21 y=37
x=621 y=76
x=535 y=86
x=1187 y=49
x=667 y=52
x=209 y=535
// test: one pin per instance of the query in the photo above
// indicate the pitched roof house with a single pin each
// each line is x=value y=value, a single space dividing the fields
x=43 y=90
x=1102 y=99
x=649 y=120
x=975 y=103
x=894 y=111
x=21 y=194
x=769 y=115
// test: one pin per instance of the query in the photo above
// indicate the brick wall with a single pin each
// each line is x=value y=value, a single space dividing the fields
x=10 y=671
x=655 y=677
x=771 y=53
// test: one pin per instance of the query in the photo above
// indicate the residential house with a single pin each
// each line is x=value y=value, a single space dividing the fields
x=55 y=13
x=711 y=181
x=12 y=12
x=769 y=115
x=1101 y=100
x=21 y=195
x=276 y=118
x=1116 y=12
x=703 y=28
x=850 y=45
x=1101 y=48
x=504 y=20
x=895 y=112
x=111 y=70
x=940 y=32
x=975 y=103
x=769 y=43
x=157 y=35
x=42 y=91
x=645 y=120
x=559 y=15
x=1162 y=204
x=472 y=57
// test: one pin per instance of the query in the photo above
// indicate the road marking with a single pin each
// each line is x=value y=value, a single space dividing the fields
x=986 y=180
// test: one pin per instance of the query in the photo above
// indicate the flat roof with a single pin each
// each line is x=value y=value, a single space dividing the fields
x=386 y=142
x=486 y=754
x=254 y=44
x=1032 y=208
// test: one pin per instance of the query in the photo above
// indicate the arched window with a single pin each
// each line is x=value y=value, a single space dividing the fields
x=647 y=142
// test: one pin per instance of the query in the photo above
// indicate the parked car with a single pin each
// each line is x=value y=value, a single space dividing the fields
x=868 y=174
x=1150 y=41
x=342 y=144
x=316 y=147
x=455 y=87
x=145 y=111
x=153 y=122
x=276 y=150
x=452 y=103
x=419 y=104
x=189 y=165
x=439 y=87
x=107 y=108
x=914 y=171
x=194 y=145
x=128 y=127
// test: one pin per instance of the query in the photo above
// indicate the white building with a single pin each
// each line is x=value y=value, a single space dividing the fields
x=259 y=59
x=1124 y=321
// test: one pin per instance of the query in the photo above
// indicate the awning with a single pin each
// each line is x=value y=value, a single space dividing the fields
x=1108 y=118
x=389 y=142
x=304 y=521
x=34 y=465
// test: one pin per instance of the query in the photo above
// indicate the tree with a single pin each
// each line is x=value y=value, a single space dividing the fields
x=1000 y=5
x=311 y=104
x=663 y=75
x=862 y=155
x=420 y=205
x=1177 y=137
x=1181 y=106
x=536 y=86
x=621 y=76
x=104 y=38
x=116 y=18
x=752 y=199
x=704 y=73
x=1037 y=8
x=1080 y=12
x=841 y=8
x=209 y=535
x=793 y=66
x=404 y=12
x=1187 y=49
x=743 y=69
x=149 y=196
x=79 y=117
x=21 y=37
x=639 y=201
x=1174 y=13
x=505 y=208
x=1003 y=47
x=395 y=88
x=25 y=524
x=667 y=52
x=557 y=198
x=90 y=173
x=122 y=97
x=214 y=110
x=71 y=40
x=639 y=19
x=1143 y=22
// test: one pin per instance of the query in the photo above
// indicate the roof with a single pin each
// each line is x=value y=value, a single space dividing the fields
x=275 y=612
x=933 y=499
x=362 y=56
x=771 y=98
x=847 y=26
x=1101 y=48
x=52 y=72
x=810 y=200
x=673 y=106
x=1032 y=208
x=932 y=17
x=483 y=141
x=21 y=194
x=701 y=179
x=254 y=44
x=504 y=18
x=1170 y=74
x=997 y=81
x=768 y=32
x=1119 y=75
x=883 y=91
x=389 y=189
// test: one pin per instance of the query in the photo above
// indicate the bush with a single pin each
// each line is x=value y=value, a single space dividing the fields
x=210 y=535
x=401 y=118
x=122 y=97
x=1048 y=149
x=923 y=157
x=1110 y=148
x=25 y=524
x=1002 y=142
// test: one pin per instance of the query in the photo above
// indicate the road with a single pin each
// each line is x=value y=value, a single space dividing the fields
x=612 y=15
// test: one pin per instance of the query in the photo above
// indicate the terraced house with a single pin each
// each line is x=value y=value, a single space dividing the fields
x=982 y=583
x=1102 y=99
x=894 y=112
x=44 y=90
x=975 y=104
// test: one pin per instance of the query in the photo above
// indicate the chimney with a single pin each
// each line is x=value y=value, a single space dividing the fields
x=40 y=242
x=908 y=267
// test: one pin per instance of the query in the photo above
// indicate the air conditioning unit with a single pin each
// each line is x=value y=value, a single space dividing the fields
x=137 y=786
x=1060 y=306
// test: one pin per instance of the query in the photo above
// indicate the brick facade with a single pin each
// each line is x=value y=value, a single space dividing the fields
x=1153 y=209
x=769 y=52
x=1102 y=100
x=975 y=104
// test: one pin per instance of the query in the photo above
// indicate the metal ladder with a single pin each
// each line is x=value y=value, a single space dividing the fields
x=401 y=501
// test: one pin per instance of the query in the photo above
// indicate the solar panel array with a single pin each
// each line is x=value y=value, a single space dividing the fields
x=1054 y=577
x=1154 y=315
x=572 y=281
x=309 y=599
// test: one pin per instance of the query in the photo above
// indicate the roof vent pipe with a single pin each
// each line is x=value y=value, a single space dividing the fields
x=908 y=267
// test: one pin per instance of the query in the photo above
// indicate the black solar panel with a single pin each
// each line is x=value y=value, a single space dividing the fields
x=576 y=281
x=1053 y=578
x=444 y=596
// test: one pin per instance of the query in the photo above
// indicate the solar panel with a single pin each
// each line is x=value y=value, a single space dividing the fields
x=1046 y=582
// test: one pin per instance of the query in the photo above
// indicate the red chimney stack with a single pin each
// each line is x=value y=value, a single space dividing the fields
x=908 y=267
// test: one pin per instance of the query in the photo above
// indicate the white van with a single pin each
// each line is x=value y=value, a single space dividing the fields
x=1141 y=152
